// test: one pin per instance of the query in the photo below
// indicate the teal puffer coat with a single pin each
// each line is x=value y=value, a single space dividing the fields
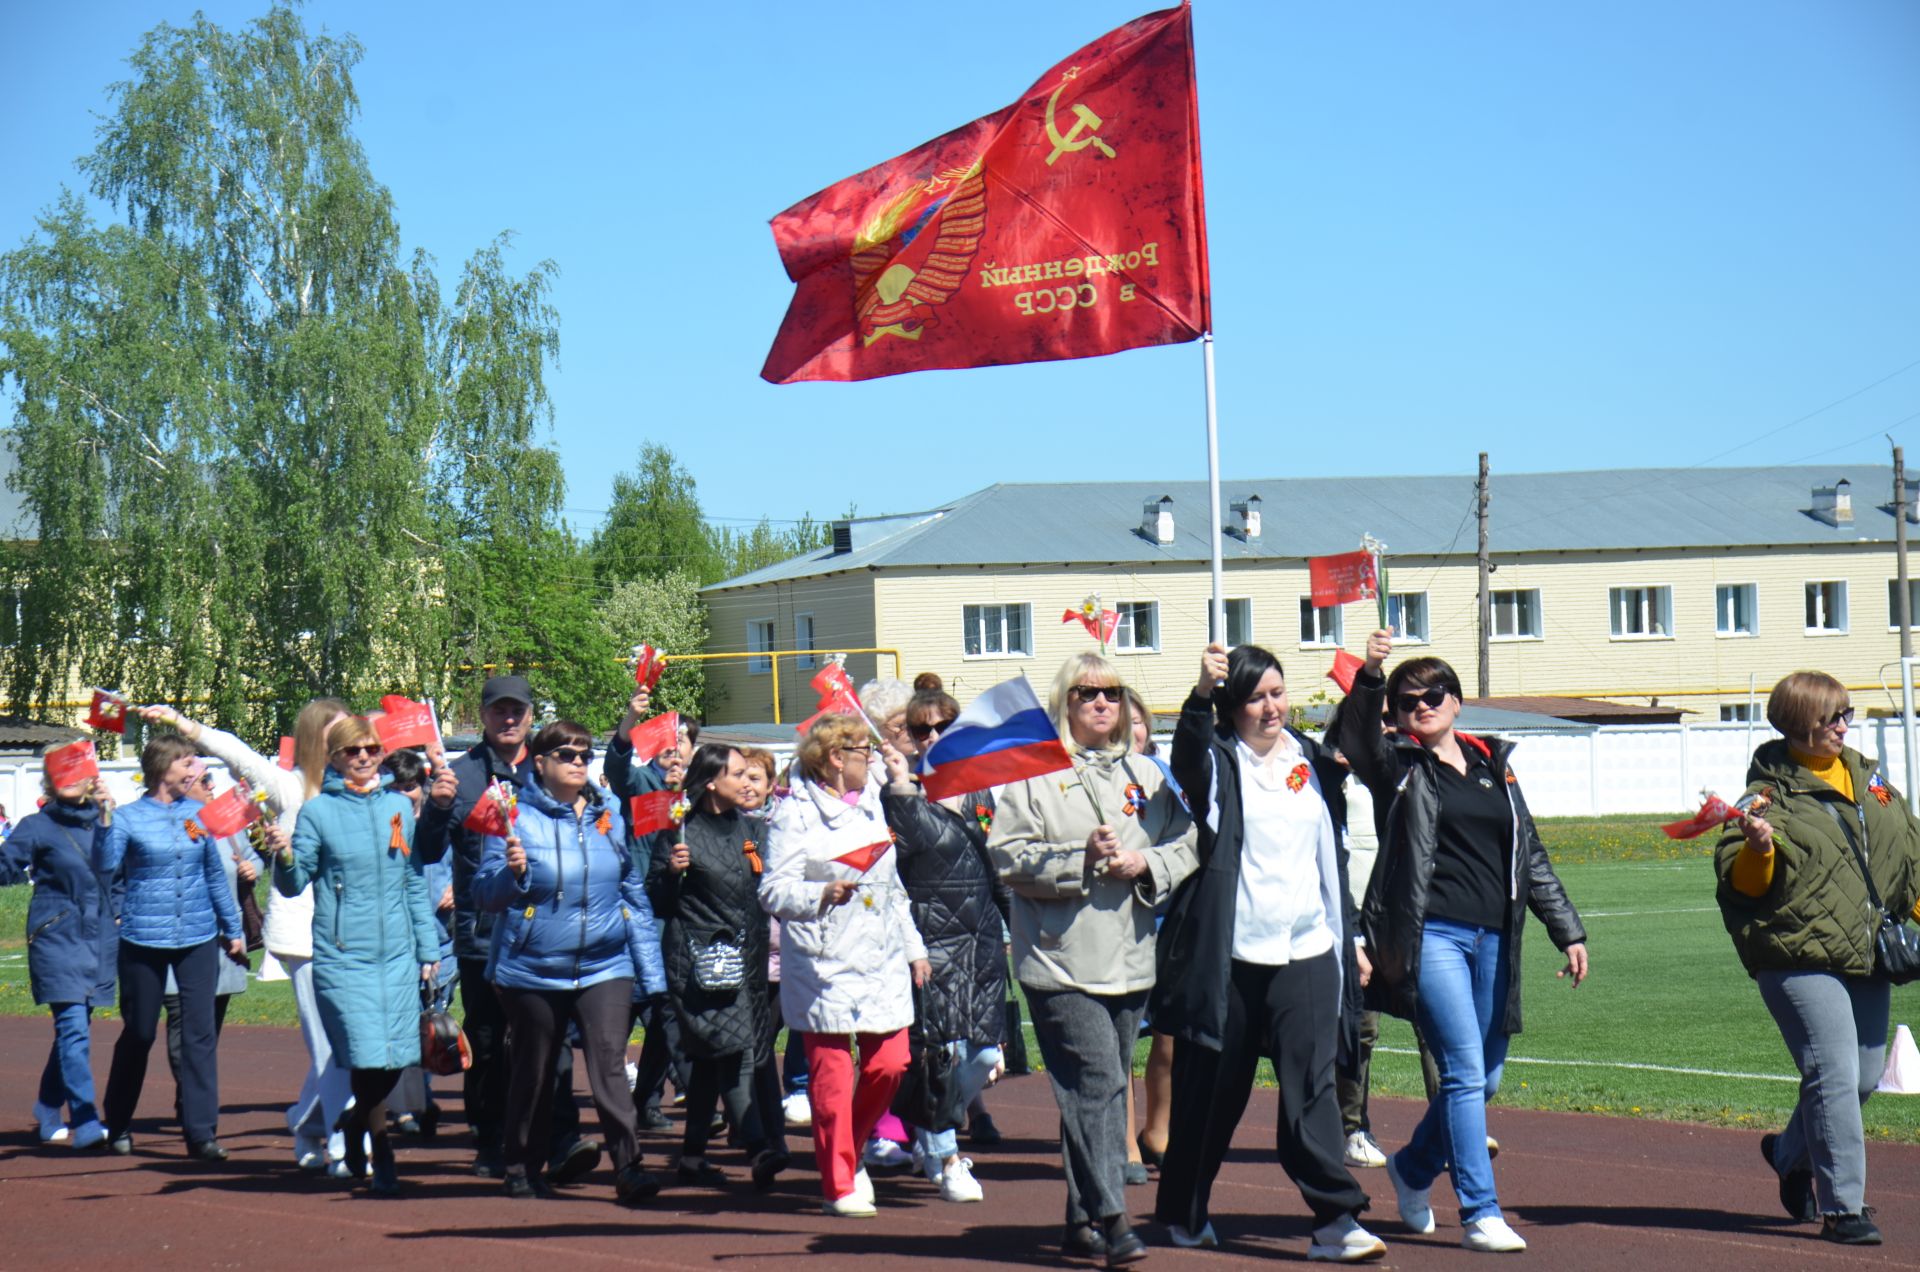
x=372 y=921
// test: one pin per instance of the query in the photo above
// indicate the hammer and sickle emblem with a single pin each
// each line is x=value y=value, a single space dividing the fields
x=1084 y=121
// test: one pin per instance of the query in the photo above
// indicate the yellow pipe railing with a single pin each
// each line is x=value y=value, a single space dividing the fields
x=773 y=657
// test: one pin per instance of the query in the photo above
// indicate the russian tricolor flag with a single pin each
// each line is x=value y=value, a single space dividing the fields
x=1002 y=736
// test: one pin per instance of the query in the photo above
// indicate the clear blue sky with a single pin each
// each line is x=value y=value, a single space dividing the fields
x=1622 y=234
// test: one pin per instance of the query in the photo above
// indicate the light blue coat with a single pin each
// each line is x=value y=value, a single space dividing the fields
x=177 y=891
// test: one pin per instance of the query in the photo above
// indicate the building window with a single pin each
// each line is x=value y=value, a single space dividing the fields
x=1407 y=617
x=1736 y=713
x=803 y=638
x=1827 y=608
x=1516 y=614
x=1239 y=622
x=1139 y=630
x=1641 y=613
x=996 y=631
x=1319 y=624
x=1893 y=603
x=1734 y=610
x=759 y=641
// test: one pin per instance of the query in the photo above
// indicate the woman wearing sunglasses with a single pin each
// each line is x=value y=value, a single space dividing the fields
x=1802 y=910
x=1460 y=864
x=374 y=939
x=576 y=932
x=958 y=906
x=1087 y=855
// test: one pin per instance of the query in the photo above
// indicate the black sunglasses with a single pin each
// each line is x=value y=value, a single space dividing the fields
x=1087 y=693
x=1843 y=716
x=921 y=732
x=365 y=748
x=572 y=754
x=1411 y=702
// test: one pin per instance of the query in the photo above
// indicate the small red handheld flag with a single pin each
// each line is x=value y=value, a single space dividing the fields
x=405 y=724
x=1338 y=579
x=495 y=813
x=1101 y=629
x=107 y=712
x=229 y=812
x=286 y=754
x=1345 y=666
x=71 y=764
x=832 y=679
x=647 y=667
x=657 y=810
x=1717 y=812
x=654 y=736
x=862 y=859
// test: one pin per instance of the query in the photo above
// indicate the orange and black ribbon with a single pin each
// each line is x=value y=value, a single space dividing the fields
x=397 y=841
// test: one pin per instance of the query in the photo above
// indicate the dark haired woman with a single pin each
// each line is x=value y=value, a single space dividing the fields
x=374 y=941
x=1254 y=953
x=1460 y=864
x=177 y=913
x=705 y=890
x=1796 y=898
x=73 y=945
x=575 y=933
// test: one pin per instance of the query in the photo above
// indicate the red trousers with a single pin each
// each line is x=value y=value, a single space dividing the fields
x=846 y=1105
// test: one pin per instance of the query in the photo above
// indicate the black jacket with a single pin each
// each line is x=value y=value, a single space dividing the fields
x=1195 y=952
x=440 y=829
x=1394 y=916
x=959 y=906
x=718 y=895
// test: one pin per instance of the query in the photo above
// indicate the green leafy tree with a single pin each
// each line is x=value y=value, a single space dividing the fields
x=742 y=552
x=654 y=526
x=666 y=613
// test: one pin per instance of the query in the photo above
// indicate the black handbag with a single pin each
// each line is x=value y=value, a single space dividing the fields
x=929 y=1094
x=1896 y=946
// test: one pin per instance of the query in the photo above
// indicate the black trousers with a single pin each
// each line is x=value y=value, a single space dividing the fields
x=143 y=986
x=766 y=1076
x=537 y=1021
x=725 y=1080
x=177 y=1038
x=485 y=1082
x=660 y=1054
x=1290 y=1015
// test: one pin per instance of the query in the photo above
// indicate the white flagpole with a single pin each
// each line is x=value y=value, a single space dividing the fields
x=1213 y=498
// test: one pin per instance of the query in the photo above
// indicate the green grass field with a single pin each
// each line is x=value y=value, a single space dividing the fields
x=1666 y=993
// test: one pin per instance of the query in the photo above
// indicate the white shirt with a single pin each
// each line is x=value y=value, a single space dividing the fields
x=1279 y=909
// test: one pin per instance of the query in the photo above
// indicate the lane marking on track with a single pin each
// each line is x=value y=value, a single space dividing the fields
x=1634 y=914
x=1622 y=1064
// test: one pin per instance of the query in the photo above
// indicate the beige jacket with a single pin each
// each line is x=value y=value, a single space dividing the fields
x=1072 y=929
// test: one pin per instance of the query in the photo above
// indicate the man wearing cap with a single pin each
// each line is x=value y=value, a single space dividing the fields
x=506 y=715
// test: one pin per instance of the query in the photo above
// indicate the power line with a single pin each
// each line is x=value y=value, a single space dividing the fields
x=1809 y=415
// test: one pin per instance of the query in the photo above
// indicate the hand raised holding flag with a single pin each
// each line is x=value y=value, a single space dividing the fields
x=446 y=783
x=516 y=857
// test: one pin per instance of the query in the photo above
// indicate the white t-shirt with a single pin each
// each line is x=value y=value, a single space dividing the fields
x=1279 y=915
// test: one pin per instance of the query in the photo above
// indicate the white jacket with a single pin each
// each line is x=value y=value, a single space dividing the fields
x=843 y=969
x=288 y=927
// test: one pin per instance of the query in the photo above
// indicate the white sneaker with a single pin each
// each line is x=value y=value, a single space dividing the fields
x=1345 y=1241
x=1415 y=1211
x=957 y=1182
x=863 y=1186
x=1492 y=1236
x=797 y=1111
x=1493 y=1148
x=633 y=1075
x=851 y=1206
x=884 y=1155
x=1189 y=1241
x=1362 y=1151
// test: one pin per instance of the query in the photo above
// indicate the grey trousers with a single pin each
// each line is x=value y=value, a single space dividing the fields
x=1836 y=1029
x=1087 y=1041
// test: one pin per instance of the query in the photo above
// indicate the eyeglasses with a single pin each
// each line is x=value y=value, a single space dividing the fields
x=407 y=789
x=1843 y=716
x=572 y=754
x=1087 y=693
x=1411 y=702
x=862 y=751
x=921 y=732
x=364 y=749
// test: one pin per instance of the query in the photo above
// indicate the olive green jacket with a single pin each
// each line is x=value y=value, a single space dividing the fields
x=1815 y=915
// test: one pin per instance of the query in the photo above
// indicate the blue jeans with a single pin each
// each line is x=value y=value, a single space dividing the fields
x=68 y=1078
x=1463 y=998
x=973 y=1062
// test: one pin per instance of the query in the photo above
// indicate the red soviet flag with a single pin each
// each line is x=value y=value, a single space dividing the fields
x=406 y=724
x=1335 y=580
x=1069 y=224
x=656 y=811
x=230 y=812
x=654 y=736
x=72 y=764
x=107 y=712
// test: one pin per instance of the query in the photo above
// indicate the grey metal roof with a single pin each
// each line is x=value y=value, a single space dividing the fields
x=1094 y=523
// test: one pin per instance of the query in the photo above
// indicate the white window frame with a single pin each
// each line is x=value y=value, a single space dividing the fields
x=804 y=661
x=764 y=630
x=1720 y=628
x=1913 y=603
x=1539 y=614
x=1654 y=605
x=1247 y=603
x=1846 y=607
x=1736 y=713
x=1123 y=634
x=1004 y=651
x=1321 y=639
x=1426 y=618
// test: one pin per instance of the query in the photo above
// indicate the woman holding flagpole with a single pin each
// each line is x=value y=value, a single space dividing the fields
x=849 y=953
x=1087 y=854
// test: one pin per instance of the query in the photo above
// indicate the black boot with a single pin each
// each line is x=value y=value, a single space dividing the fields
x=386 y=1175
x=1123 y=1243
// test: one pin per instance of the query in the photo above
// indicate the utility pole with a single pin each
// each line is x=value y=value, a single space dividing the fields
x=1486 y=576
x=1903 y=613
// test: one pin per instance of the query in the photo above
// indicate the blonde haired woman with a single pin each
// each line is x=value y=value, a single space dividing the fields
x=849 y=954
x=1087 y=855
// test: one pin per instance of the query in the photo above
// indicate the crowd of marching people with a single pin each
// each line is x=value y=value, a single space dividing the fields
x=1253 y=892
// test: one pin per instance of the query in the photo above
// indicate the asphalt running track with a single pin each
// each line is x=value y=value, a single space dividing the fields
x=1588 y=1192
